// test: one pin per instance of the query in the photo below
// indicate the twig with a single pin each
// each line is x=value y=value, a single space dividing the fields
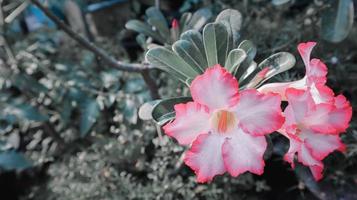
x=151 y=84
x=129 y=67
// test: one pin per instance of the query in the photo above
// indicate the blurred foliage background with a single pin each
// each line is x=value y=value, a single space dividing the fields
x=69 y=126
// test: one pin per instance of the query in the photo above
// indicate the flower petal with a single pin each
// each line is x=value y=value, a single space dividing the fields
x=216 y=88
x=205 y=157
x=316 y=72
x=244 y=152
x=280 y=88
x=341 y=116
x=322 y=145
x=294 y=147
x=301 y=102
x=259 y=113
x=328 y=119
x=316 y=171
x=316 y=166
x=321 y=93
x=305 y=52
x=191 y=120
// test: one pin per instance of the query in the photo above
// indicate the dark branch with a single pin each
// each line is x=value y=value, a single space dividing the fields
x=129 y=67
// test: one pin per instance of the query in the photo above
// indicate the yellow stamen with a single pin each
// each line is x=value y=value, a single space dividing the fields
x=223 y=121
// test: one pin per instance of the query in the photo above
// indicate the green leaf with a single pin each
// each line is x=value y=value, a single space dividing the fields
x=215 y=39
x=164 y=111
x=25 y=111
x=168 y=61
x=157 y=20
x=248 y=74
x=199 y=19
x=26 y=82
x=232 y=19
x=141 y=40
x=251 y=50
x=11 y=160
x=235 y=58
x=279 y=2
x=191 y=54
x=196 y=39
x=184 y=21
x=337 y=20
x=274 y=64
x=155 y=13
x=145 y=110
x=143 y=28
x=89 y=114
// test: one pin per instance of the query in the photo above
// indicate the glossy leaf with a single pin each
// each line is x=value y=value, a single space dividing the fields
x=251 y=50
x=163 y=111
x=337 y=20
x=144 y=28
x=195 y=38
x=247 y=75
x=235 y=58
x=145 y=110
x=199 y=19
x=215 y=39
x=168 y=61
x=158 y=20
x=184 y=21
x=191 y=54
x=273 y=65
x=232 y=19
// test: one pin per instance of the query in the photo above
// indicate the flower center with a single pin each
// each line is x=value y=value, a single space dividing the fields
x=223 y=121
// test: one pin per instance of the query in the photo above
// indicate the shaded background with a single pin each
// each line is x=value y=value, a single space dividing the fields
x=69 y=127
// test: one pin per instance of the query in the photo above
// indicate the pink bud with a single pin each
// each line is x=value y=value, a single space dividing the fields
x=174 y=24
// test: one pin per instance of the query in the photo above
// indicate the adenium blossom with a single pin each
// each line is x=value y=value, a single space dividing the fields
x=313 y=129
x=314 y=116
x=224 y=126
x=314 y=79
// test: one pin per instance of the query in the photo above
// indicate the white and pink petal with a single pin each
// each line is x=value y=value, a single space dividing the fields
x=328 y=119
x=280 y=88
x=301 y=103
x=205 y=157
x=321 y=145
x=191 y=120
x=243 y=152
x=215 y=88
x=258 y=113
x=306 y=158
x=317 y=72
x=305 y=52
x=321 y=93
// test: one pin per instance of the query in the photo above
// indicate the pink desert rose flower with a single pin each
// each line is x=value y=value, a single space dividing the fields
x=314 y=79
x=313 y=129
x=225 y=127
